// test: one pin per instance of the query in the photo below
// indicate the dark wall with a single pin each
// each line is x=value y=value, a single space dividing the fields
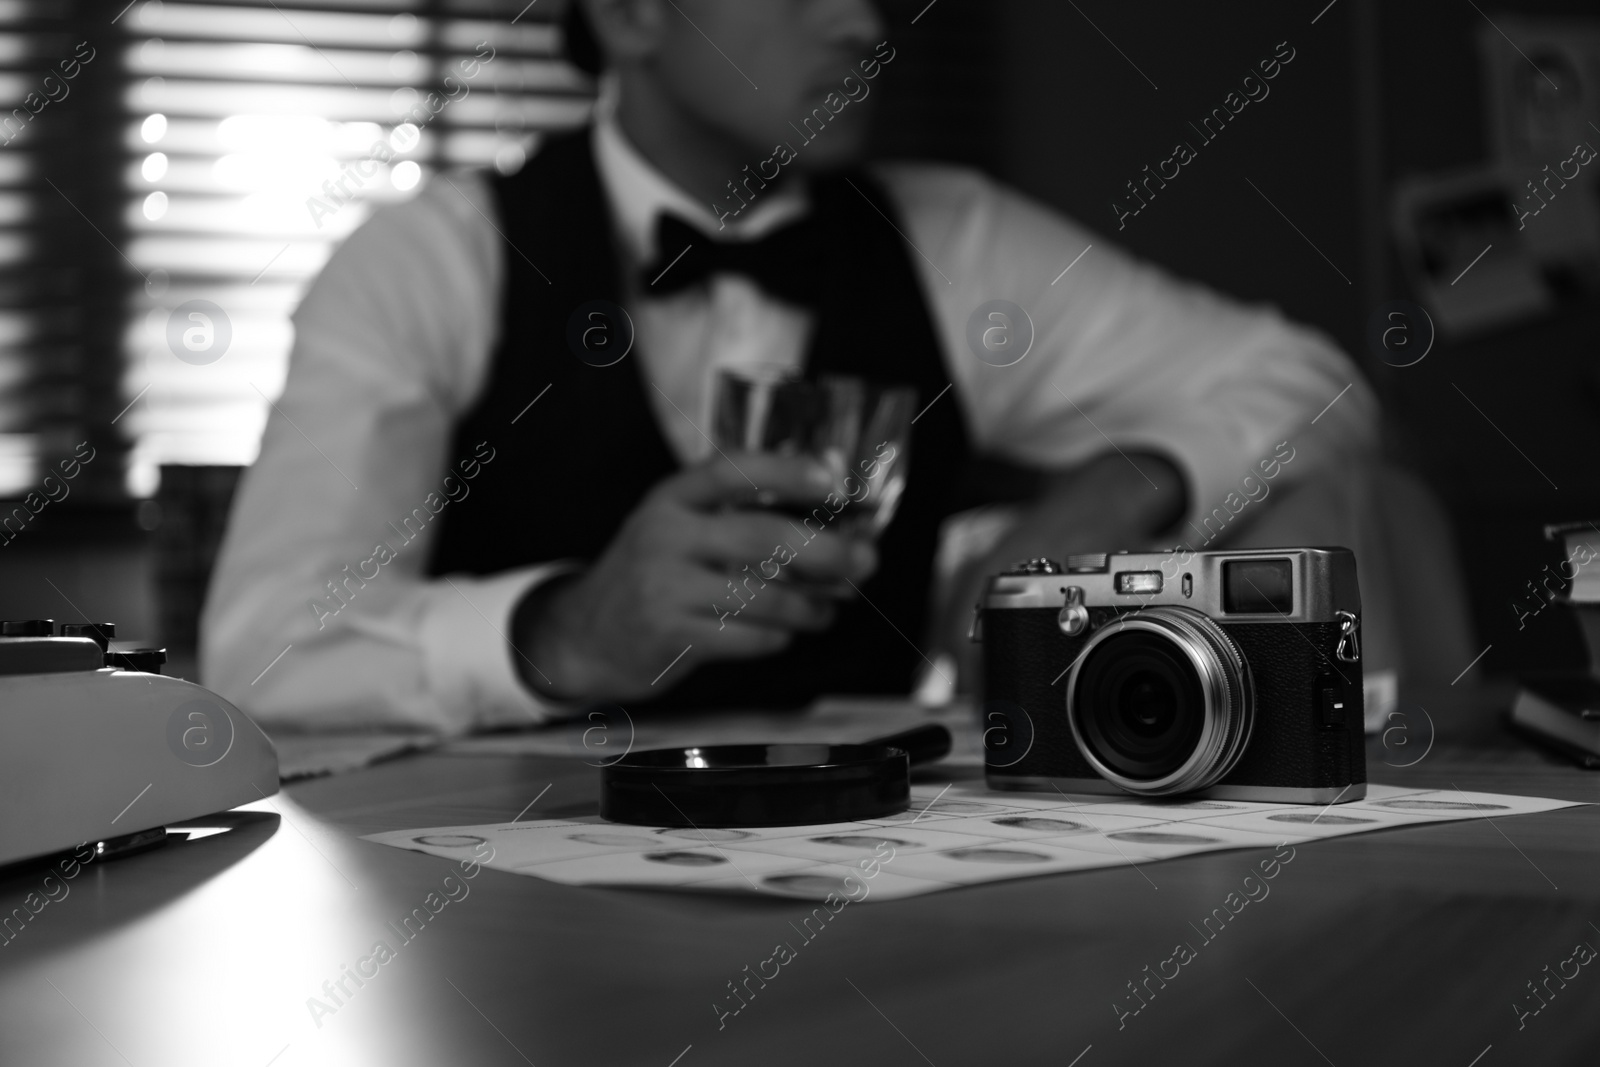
x=1069 y=110
x=1529 y=456
x=1094 y=122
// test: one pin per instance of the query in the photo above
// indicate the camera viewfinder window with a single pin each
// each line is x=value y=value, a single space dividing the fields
x=1132 y=582
x=1257 y=586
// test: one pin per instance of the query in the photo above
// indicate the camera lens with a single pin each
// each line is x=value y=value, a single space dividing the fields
x=1143 y=704
x=1160 y=701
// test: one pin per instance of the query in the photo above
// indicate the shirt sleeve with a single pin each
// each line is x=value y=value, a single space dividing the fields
x=1123 y=355
x=319 y=612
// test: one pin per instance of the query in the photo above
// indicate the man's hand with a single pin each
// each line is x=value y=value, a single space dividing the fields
x=686 y=568
x=1110 y=503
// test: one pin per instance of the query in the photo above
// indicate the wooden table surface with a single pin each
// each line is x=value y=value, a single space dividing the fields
x=1407 y=946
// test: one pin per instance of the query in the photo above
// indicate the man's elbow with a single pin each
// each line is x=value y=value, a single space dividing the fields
x=240 y=650
x=1337 y=405
x=1349 y=418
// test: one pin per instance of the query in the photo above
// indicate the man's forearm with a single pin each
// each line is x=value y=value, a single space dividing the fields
x=1102 y=506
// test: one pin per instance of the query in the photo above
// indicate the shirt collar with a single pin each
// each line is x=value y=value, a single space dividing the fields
x=637 y=192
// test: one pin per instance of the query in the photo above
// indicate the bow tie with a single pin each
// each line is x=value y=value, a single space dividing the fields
x=786 y=263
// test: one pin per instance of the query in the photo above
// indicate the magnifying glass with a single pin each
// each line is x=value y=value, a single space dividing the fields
x=768 y=785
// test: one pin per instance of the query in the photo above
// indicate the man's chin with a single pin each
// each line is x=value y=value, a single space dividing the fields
x=834 y=150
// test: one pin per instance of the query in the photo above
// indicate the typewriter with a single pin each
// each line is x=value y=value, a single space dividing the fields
x=98 y=747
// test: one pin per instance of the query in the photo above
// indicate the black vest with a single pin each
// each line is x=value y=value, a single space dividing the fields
x=573 y=466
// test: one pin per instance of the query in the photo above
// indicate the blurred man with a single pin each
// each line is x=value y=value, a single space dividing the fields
x=463 y=518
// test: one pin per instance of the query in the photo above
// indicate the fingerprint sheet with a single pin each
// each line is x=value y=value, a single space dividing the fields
x=952 y=836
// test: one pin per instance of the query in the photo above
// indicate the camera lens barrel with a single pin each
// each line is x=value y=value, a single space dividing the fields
x=1160 y=701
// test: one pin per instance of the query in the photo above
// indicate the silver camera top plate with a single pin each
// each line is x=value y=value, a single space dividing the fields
x=1323 y=583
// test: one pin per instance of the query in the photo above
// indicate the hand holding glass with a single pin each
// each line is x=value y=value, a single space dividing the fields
x=858 y=431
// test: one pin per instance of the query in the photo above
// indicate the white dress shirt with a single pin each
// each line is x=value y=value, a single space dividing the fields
x=394 y=341
x=685 y=339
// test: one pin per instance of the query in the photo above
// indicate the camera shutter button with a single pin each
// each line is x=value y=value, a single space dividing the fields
x=1073 y=618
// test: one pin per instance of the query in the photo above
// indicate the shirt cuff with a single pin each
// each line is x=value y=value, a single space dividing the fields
x=468 y=655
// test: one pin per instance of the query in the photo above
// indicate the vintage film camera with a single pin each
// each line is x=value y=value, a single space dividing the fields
x=1234 y=675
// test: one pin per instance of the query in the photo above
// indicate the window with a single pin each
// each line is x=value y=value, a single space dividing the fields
x=254 y=137
x=42 y=393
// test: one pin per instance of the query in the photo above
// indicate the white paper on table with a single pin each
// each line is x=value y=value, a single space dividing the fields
x=952 y=836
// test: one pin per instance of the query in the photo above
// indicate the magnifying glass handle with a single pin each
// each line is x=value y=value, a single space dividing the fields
x=923 y=744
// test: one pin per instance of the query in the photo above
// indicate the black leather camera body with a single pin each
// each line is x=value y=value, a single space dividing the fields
x=1234 y=675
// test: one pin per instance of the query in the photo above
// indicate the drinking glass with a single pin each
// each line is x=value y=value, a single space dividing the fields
x=859 y=430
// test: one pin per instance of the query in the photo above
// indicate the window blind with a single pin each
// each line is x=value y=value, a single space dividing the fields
x=18 y=443
x=42 y=394
x=257 y=135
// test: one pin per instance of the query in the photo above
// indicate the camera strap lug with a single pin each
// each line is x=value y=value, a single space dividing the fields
x=975 y=629
x=1349 y=647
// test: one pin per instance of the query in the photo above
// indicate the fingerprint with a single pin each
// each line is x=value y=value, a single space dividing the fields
x=1043 y=826
x=1158 y=837
x=615 y=840
x=1440 y=805
x=996 y=855
x=1322 y=820
x=694 y=834
x=810 y=886
x=861 y=841
x=685 y=859
x=449 y=840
